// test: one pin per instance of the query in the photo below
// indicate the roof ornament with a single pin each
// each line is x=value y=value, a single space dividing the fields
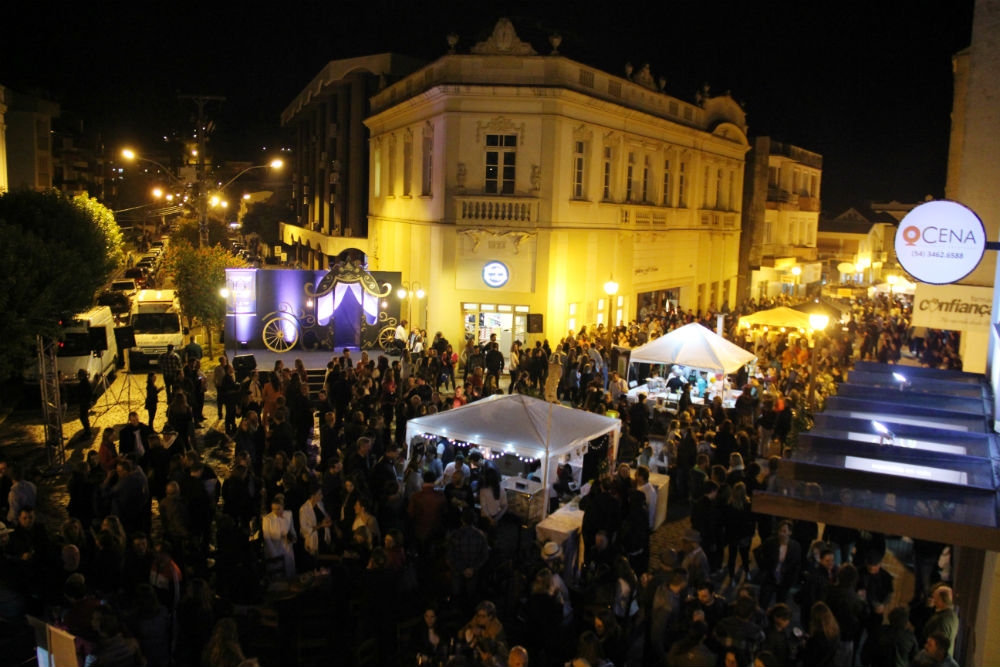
x=504 y=42
x=555 y=39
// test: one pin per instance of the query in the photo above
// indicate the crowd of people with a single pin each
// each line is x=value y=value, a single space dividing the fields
x=160 y=560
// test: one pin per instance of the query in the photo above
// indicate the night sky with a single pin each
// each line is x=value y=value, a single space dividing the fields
x=866 y=84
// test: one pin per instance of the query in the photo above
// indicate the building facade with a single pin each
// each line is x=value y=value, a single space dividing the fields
x=503 y=183
x=780 y=219
x=330 y=164
x=28 y=142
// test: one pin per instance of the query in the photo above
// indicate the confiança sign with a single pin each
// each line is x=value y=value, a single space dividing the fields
x=940 y=242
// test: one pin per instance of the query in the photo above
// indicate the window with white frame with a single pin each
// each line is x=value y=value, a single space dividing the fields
x=645 y=178
x=682 y=187
x=578 y=164
x=407 y=163
x=427 y=161
x=629 y=175
x=606 y=189
x=377 y=170
x=390 y=189
x=666 y=183
x=501 y=163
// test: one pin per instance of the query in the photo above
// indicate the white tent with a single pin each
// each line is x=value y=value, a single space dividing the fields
x=781 y=316
x=693 y=345
x=521 y=425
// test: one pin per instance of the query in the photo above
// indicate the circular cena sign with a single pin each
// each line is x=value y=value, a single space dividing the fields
x=940 y=242
x=495 y=274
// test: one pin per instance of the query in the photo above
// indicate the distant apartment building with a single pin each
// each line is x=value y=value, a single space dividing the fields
x=28 y=123
x=781 y=211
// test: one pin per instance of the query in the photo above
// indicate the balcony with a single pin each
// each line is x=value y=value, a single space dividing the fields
x=496 y=210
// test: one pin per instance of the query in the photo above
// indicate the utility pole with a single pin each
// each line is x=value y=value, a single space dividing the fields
x=201 y=101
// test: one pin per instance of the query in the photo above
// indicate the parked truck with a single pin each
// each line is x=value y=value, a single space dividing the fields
x=86 y=342
x=156 y=323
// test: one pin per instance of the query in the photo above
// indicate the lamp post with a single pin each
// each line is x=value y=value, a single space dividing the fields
x=215 y=200
x=611 y=289
x=203 y=196
x=224 y=293
x=409 y=290
x=818 y=322
x=796 y=271
x=158 y=193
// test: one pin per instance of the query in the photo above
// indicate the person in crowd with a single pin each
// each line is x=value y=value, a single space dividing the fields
x=944 y=619
x=779 y=559
x=278 y=530
x=935 y=652
x=822 y=646
x=468 y=551
x=152 y=401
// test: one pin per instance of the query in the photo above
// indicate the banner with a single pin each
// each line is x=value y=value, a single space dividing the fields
x=953 y=307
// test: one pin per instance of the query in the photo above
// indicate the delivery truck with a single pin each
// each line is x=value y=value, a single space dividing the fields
x=156 y=323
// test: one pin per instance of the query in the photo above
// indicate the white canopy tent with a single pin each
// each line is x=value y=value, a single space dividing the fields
x=779 y=317
x=520 y=425
x=693 y=345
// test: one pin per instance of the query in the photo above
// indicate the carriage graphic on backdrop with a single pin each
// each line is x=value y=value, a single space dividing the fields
x=347 y=306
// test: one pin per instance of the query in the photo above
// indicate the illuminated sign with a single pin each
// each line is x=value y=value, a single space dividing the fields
x=242 y=286
x=496 y=274
x=940 y=242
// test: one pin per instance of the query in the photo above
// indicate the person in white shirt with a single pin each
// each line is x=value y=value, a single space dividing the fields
x=492 y=498
x=648 y=490
x=401 y=335
x=617 y=386
x=315 y=523
x=278 y=530
x=457 y=464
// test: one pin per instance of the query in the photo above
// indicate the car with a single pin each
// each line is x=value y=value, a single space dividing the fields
x=126 y=286
x=139 y=275
x=119 y=302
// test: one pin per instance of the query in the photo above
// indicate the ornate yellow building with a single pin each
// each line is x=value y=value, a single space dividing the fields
x=504 y=183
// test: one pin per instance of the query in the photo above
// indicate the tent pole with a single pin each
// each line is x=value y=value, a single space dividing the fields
x=548 y=464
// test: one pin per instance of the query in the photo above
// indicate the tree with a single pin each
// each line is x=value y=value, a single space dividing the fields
x=56 y=253
x=218 y=232
x=199 y=274
x=264 y=219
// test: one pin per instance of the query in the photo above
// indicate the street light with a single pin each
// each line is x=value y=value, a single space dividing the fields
x=203 y=201
x=796 y=271
x=892 y=280
x=611 y=289
x=131 y=156
x=408 y=290
x=217 y=201
x=818 y=322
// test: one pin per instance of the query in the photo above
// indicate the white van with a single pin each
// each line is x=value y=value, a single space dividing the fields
x=87 y=342
x=156 y=323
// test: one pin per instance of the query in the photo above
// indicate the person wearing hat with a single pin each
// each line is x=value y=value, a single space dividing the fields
x=552 y=554
x=695 y=561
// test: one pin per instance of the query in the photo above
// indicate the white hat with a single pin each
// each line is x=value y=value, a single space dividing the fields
x=551 y=550
x=4 y=530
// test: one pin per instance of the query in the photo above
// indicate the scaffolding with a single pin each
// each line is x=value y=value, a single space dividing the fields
x=52 y=408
